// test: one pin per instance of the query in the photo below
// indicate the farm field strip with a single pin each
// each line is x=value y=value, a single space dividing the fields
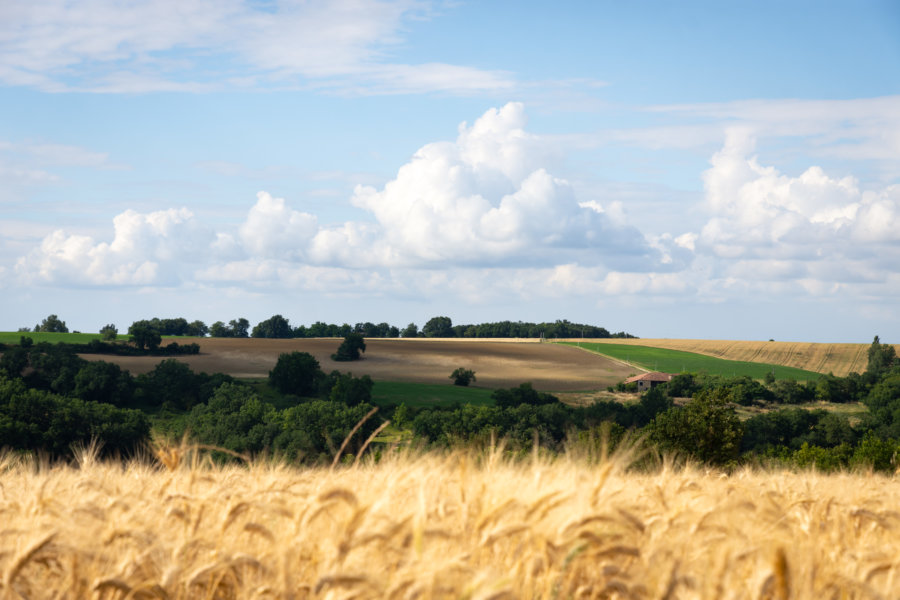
x=443 y=525
x=549 y=367
x=840 y=359
x=679 y=361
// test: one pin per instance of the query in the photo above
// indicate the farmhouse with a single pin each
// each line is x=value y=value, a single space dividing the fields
x=649 y=380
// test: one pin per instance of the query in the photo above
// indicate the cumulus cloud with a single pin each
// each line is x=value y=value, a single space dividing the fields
x=147 y=249
x=814 y=228
x=485 y=199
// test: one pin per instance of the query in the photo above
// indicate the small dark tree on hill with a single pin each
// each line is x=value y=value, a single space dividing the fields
x=462 y=376
x=353 y=344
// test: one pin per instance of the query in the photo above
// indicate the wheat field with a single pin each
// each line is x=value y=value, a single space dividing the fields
x=840 y=359
x=442 y=526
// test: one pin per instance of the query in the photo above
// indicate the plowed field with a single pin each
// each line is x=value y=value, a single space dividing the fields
x=839 y=359
x=549 y=367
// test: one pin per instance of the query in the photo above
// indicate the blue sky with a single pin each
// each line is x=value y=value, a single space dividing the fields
x=700 y=169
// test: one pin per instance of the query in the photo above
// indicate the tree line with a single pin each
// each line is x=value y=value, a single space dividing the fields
x=278 y=326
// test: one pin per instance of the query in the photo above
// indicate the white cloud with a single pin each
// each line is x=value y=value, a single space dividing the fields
x=146 y=249
x=272 y=230
x=814 y=229
x=483 y=200
x=202 y=45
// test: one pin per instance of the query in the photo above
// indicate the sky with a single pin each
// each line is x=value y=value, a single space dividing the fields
x=717 y=170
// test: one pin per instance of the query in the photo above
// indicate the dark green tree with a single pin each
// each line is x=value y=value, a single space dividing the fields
x=524 y=394
x=351 y=390
x=219 y=330
x=296 y=373
x=353 y=344
x=881 y=357
x=706 y=429
x=52 y=324
x=109 y=332
x=462 y=376
x=143 y=335
x=410 y=331
x=99 y=381
x=240 y=328
x=438 y=327
x=273 y=327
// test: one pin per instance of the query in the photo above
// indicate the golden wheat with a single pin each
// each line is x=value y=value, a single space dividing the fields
x=839 y=359
x=442 y=526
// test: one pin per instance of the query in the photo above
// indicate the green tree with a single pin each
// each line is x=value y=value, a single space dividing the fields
x=296 y=373
x=219 y=330
x=100 y=381
x=438 y=327
x=351 y=390
x=240 y=328
x=462 y=376
x=235 y=418
x=109 y=332
x=881 y=357
x=353 y=344
x=410 y=331
x=52 y=324
x=275 y=326
x=706 y=429
x=524 y=394
x=143 y=335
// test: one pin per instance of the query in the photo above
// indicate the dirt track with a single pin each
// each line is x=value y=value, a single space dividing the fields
x=548 y=367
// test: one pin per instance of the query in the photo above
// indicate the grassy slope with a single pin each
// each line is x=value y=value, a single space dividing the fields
x=13 y=337
x=426 y=394
x=676 y=361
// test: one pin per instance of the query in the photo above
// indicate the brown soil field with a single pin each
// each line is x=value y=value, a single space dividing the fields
x=549 y=367
x=839 y=359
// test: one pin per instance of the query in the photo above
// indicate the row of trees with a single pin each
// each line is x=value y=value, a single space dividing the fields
x=278 y=326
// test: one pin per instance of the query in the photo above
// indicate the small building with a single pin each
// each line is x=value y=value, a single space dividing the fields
x=650 y=380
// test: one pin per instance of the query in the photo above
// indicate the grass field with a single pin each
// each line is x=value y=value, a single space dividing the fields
x=13 y=337
x=676 y=361
x=840 y=359
x=443 y=526
x=428 y=394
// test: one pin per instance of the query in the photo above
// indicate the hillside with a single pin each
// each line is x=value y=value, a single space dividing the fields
x=839 y=359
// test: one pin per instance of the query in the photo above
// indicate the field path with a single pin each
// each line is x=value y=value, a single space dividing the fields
x=497 y=363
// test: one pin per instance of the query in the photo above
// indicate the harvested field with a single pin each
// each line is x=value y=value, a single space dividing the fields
x=839 y=359
x=549 y=367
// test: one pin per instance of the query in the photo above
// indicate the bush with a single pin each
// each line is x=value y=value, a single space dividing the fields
x=462 y=376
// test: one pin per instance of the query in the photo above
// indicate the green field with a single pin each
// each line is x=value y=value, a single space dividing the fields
x=13 y=337
x=427 y=394
x=677 y=361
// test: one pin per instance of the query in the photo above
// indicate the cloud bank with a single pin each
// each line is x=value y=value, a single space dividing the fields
x=481 y=218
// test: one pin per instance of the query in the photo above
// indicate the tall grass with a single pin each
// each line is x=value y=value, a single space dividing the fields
x=457 y=525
